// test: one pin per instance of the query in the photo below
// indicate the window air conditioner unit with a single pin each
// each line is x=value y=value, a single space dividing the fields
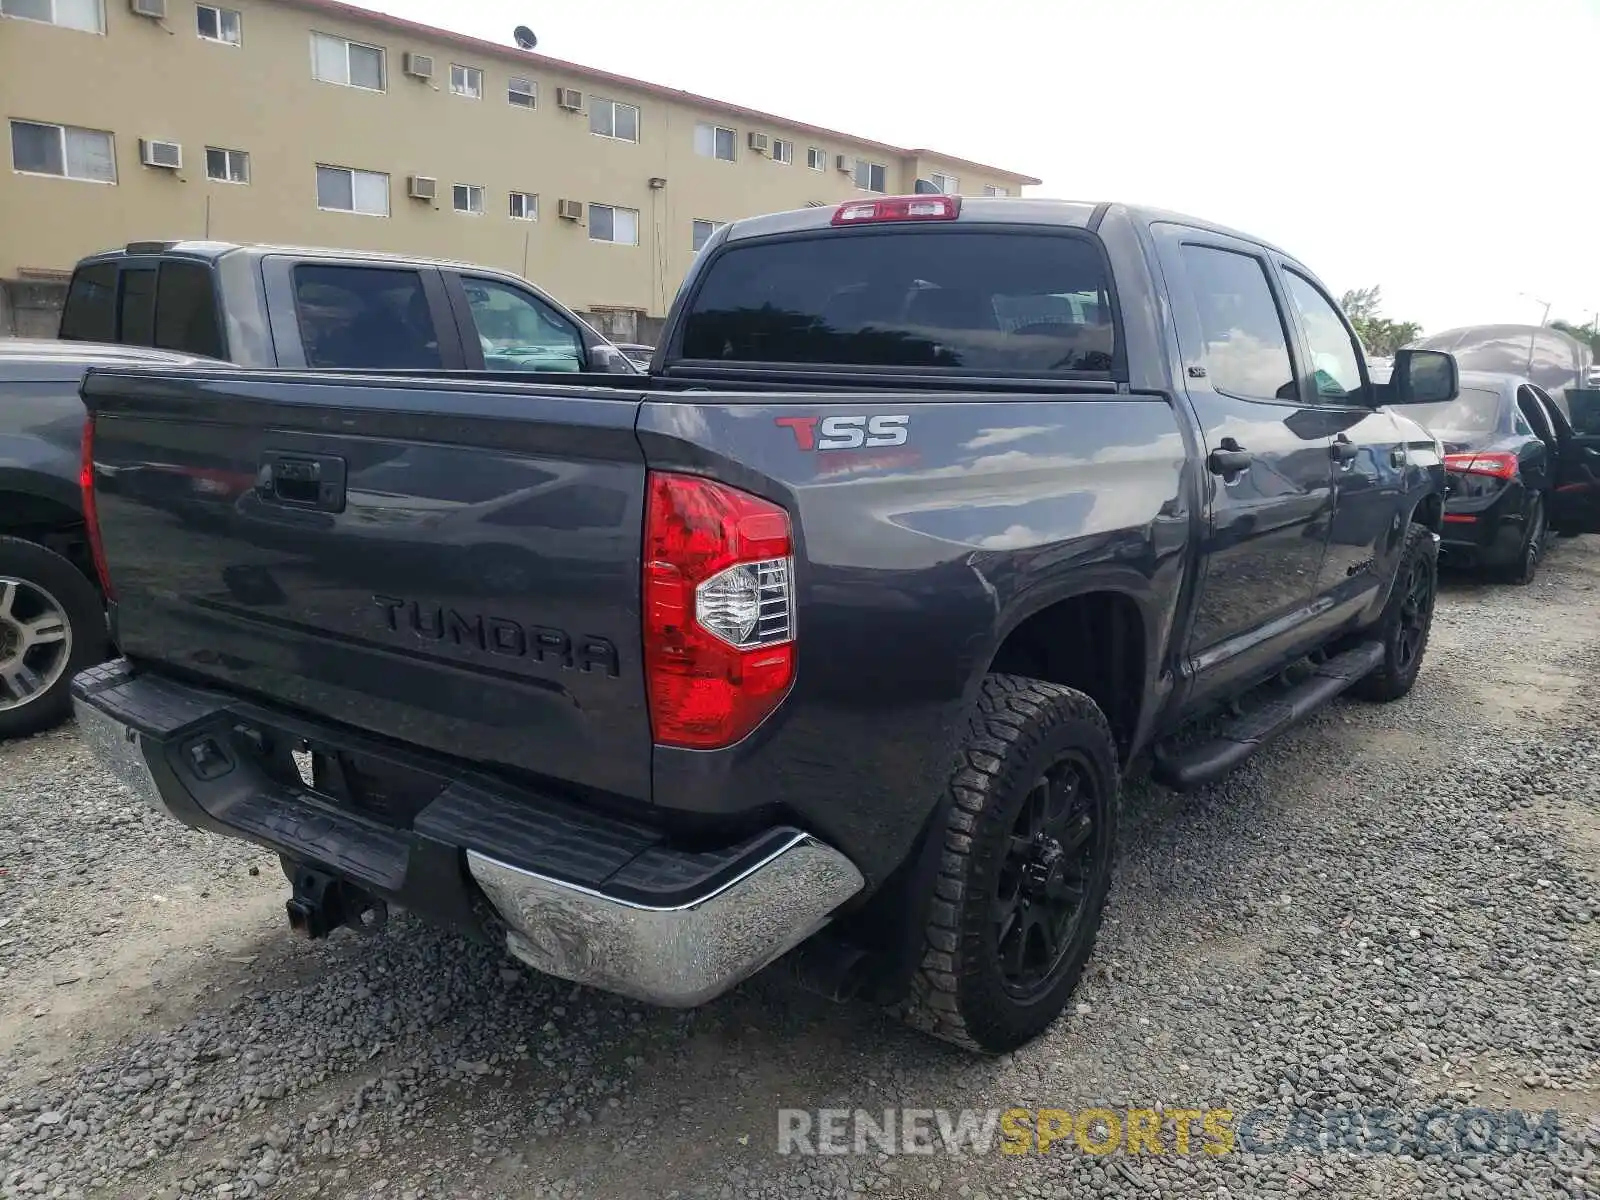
x=844 y=164
x=419 y=66
x=759 y=143
x=423 y=187
x=168 y=155
x=570 y=210
x=154 y=9
x=570 y=99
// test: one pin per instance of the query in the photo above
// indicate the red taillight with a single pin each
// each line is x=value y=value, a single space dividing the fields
x=718 y=610
x=1498 y=465
x=898 y=208
x=91 y=512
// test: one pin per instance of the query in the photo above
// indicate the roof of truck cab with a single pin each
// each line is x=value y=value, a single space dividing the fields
x=1020 y=210
x=206 y=251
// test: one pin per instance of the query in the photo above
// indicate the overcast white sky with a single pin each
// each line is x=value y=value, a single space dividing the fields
x=1439 y=148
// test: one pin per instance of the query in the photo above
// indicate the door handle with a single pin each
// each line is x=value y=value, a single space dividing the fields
x=1344 y=450
x=307 y=481
x=1229 y=458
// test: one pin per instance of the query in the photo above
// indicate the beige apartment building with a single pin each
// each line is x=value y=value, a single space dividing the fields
x=311 y=122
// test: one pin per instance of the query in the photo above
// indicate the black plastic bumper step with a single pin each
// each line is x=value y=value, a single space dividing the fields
x=1240 y=738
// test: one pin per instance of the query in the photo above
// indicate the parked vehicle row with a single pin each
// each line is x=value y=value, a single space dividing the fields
x=1516 y=471
x=835 y=635
x=257 y=306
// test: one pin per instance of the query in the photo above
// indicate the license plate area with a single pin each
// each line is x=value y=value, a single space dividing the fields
x=378 y=788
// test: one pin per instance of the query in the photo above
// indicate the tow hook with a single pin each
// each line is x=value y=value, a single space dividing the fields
x=321 y=903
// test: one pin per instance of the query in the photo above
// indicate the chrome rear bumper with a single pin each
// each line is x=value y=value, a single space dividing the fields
x=679 y=956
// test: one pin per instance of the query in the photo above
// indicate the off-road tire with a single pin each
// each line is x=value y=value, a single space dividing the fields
x=1019 y=730
x=79 y=602
x=1526 y=565
x=1394 y=677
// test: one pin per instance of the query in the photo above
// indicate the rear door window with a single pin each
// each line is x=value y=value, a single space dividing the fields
x=186 y=310
x=994 y=302
x=365 y=317
x=1533 y=415
x=90 y=314
x=136 y=306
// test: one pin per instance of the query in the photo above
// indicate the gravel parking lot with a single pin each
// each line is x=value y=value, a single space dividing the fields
x=1395 y=907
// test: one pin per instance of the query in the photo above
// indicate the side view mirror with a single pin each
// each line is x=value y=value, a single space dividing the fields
x=1423 y=377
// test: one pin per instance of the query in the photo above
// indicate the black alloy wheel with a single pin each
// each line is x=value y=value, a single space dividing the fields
x=1044 y=877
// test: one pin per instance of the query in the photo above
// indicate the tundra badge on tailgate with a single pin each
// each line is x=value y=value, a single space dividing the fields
x=847 y=432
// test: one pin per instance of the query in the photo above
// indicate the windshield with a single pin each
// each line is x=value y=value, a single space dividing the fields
x=990 y=301
x=1471 y=414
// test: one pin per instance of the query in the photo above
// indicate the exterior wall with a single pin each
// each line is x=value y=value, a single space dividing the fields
x=160 y=80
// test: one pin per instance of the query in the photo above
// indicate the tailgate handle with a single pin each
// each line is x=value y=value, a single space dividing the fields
x=313 y=481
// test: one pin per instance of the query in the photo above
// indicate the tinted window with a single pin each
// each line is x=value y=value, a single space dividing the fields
x=1335 y=369
x=90 y=314
x=923 y=298
x=136 y=306
x=186 y=310
x=371 y=317
x=1475 y=411
x=1246 y=350
x=517 y=332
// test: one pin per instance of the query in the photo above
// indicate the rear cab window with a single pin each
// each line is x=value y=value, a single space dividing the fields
x=990 y=301
x=136 y=305
x=364 y=317
x=186 y=310
x=90 y=313
x=1476 y=411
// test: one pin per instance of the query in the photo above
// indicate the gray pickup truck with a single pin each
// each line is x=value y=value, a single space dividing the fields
x=255 y=306
x=837 y=633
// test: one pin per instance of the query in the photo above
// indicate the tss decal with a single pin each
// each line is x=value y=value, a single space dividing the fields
x=847 y=432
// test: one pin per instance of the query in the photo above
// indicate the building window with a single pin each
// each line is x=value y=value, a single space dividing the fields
x=608 y=224
x=817 y=158
x=227 y=166
x=524 y=206
x=524 y=93
x=86 y=15
x=715 y=141
x=871 y=176
x=466 y=81
x=782 y=151
x=64 y=151
x=614 y=119
x=703 y=231
x=339 y=189
x=948 y=184
x=990 y=190
x=469 y=198
x=350 y=64
x=218 y=24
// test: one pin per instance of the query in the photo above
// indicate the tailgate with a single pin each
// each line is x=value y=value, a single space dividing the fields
x=451 y=564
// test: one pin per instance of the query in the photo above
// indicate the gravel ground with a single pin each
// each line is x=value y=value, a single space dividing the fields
x=1395 y=907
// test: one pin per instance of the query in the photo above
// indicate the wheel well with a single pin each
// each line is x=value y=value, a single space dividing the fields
x=1430 y=513
x=1094 y=643
x=47 y=523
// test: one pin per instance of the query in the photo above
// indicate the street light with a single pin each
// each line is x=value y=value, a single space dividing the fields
x=1532 y=337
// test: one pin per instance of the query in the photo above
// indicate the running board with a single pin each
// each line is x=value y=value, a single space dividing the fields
x=1243 y=736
